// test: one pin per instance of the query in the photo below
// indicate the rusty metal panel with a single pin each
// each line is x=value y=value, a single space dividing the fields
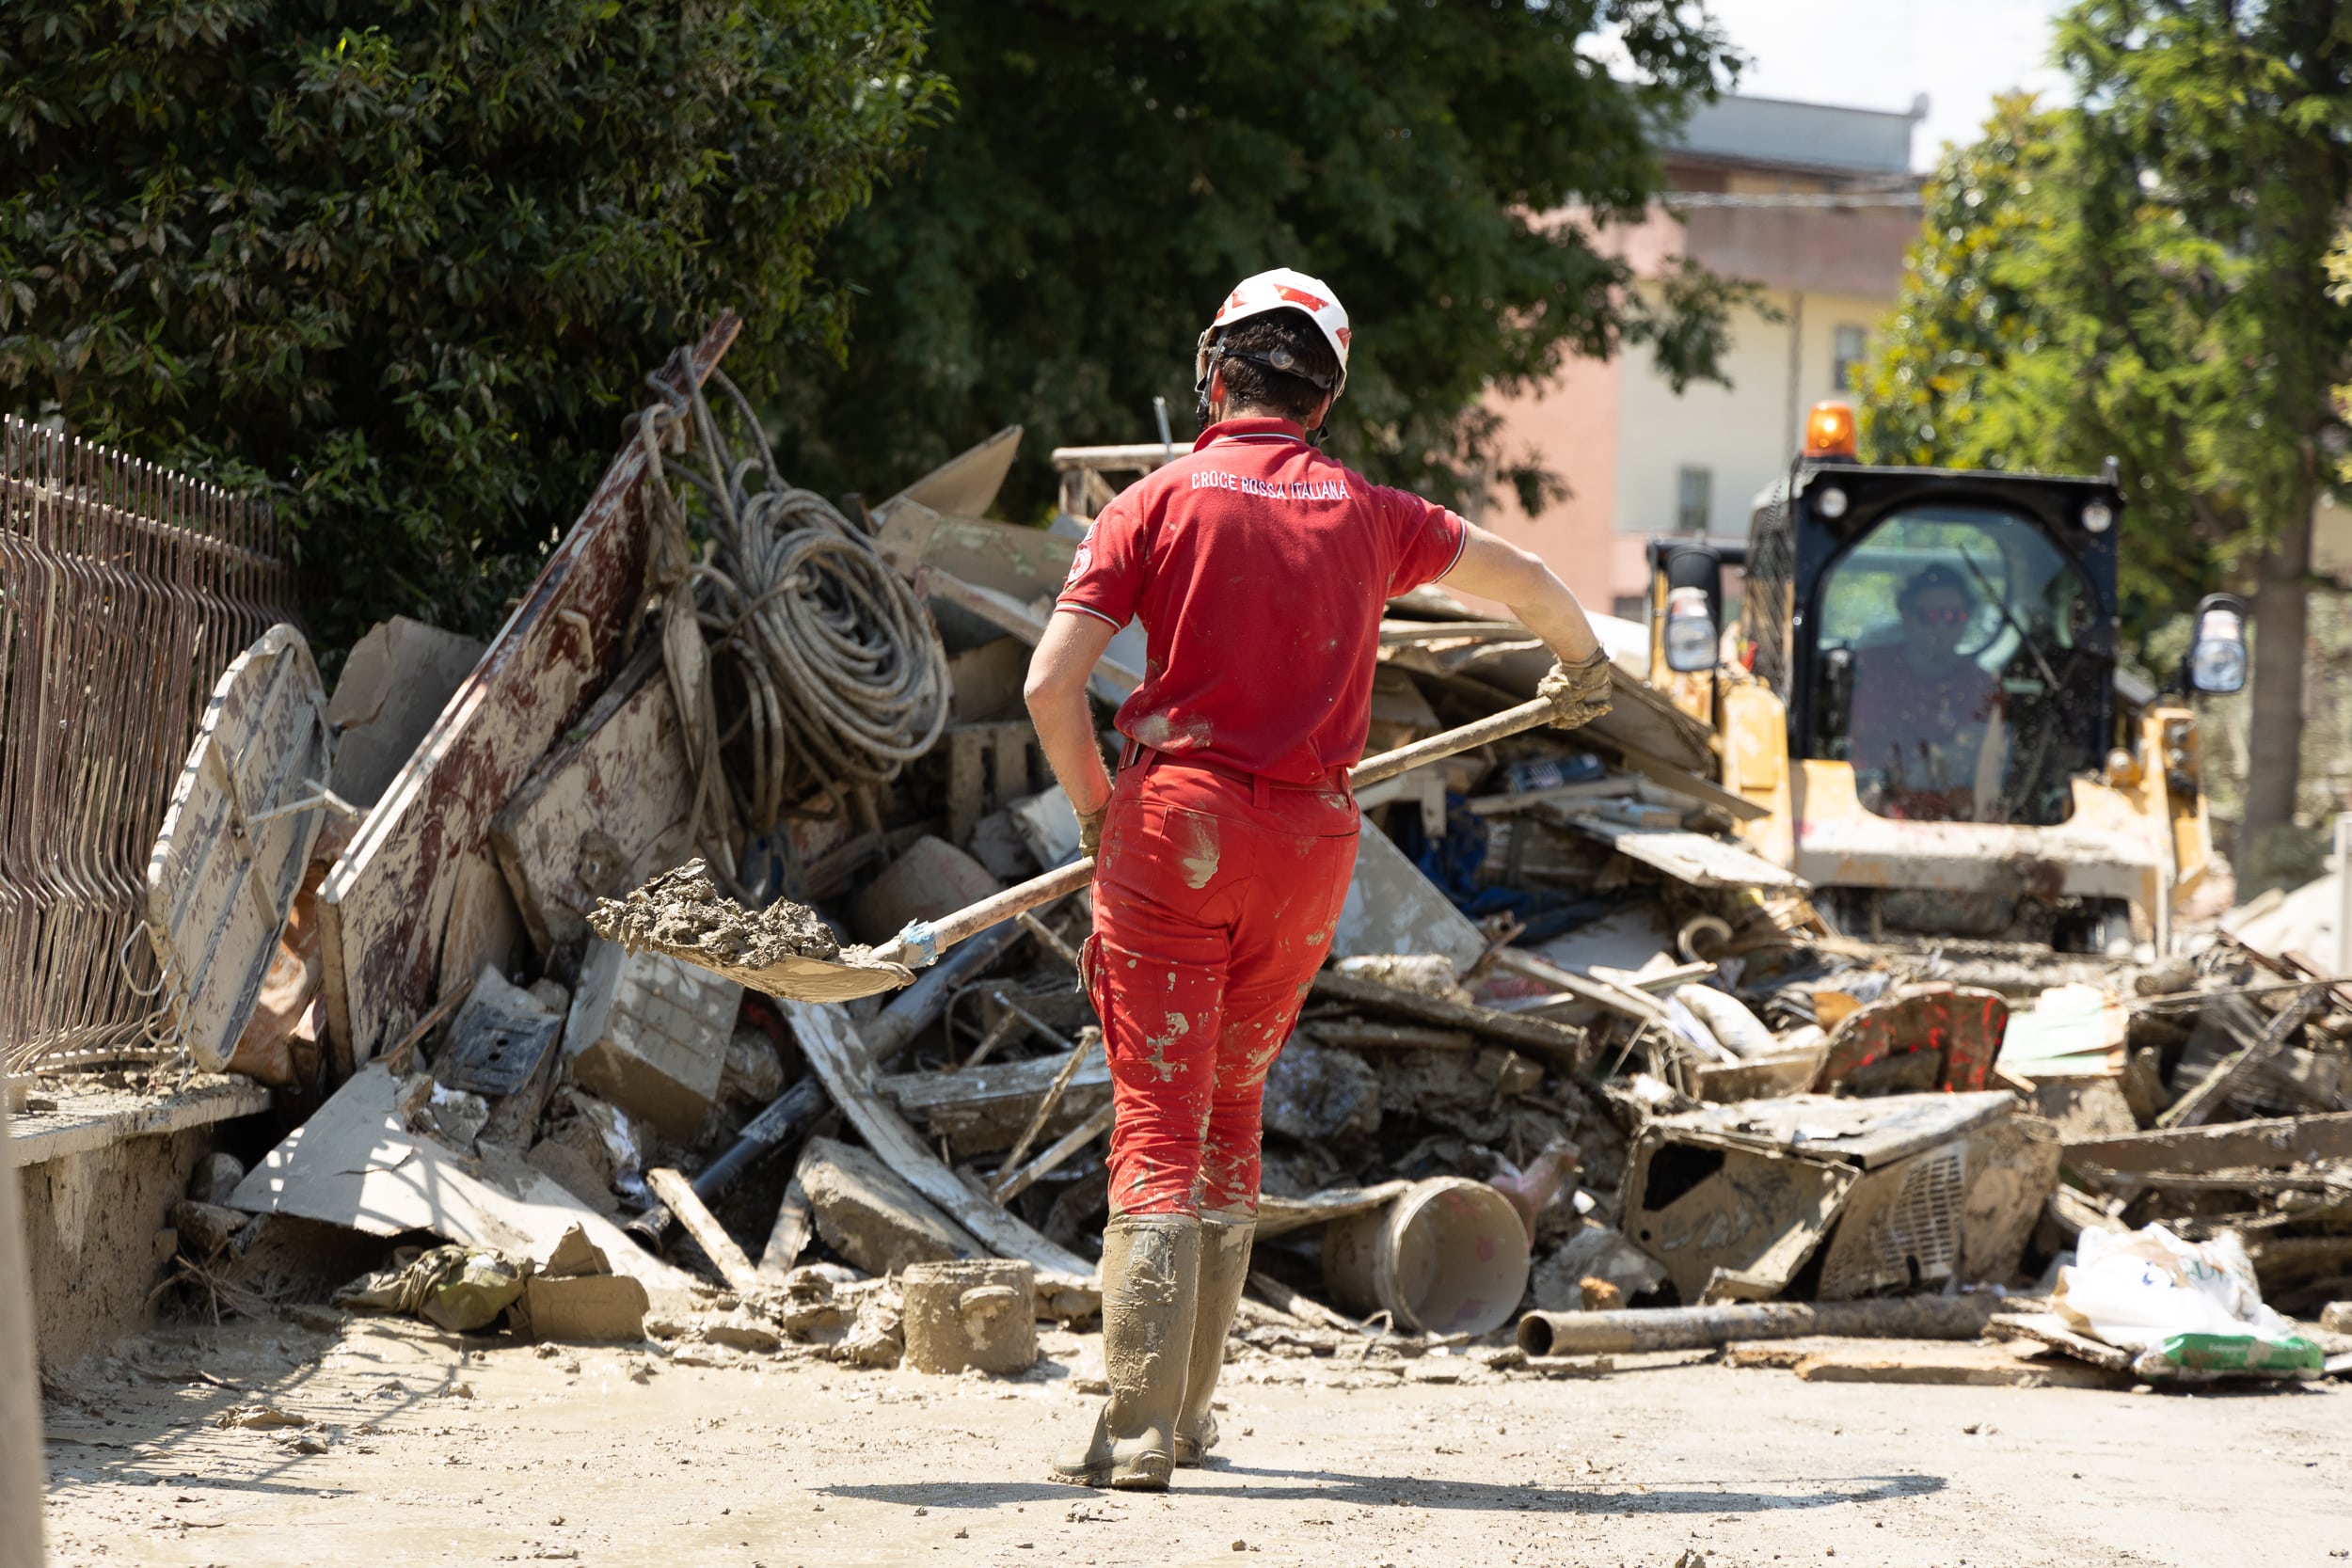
x=124 y=590
x=406 y=903
x=236 y=841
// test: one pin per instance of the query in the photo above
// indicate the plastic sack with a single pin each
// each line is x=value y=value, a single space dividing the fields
x=2192 y=1310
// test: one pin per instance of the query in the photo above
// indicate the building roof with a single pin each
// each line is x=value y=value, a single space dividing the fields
x=1776 y=134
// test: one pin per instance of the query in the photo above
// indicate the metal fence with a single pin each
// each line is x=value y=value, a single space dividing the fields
x=125 y=590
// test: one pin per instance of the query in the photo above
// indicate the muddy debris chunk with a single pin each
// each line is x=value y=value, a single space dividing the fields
x=683 y=912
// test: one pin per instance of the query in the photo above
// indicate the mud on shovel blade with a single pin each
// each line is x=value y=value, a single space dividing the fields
x=786 y=951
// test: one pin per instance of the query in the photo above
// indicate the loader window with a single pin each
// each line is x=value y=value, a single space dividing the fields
x=1963 y=670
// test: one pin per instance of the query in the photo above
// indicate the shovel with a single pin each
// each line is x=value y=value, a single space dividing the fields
x=857 y=973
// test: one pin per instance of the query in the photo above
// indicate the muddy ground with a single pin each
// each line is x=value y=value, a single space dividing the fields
x=420 y=1447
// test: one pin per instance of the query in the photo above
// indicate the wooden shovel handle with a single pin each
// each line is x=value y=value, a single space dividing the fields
x=1064 y=881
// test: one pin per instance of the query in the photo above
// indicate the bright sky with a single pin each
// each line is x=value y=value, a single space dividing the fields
x=1882 y=54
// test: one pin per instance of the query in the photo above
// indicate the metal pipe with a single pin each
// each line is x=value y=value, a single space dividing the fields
x=1706 y=1327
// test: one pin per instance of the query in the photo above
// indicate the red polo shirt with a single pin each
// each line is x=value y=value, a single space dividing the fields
x=1259 y=568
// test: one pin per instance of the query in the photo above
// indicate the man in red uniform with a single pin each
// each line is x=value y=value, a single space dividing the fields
x=1259 y=568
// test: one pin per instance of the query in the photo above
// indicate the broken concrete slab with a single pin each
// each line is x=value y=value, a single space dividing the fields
x=931 y=880
x=395 y=682
x=866 y=1213
x=602 y=813
x=236 y=840
x=841 y=1061
x=650 y=1033
x=355 y=1163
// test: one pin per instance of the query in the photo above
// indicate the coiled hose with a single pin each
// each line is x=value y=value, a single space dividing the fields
x=824 y=670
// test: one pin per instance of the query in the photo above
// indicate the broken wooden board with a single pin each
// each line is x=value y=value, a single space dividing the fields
x=2048 y=1328
x=2267 y=1145
x=982 y=1109
x=1392 y=908
x=1555 y=1043
x=355 y=1164
x=236 y=840
x=838 y=1057
x=407 y=902
x=1279 y=1215
x=677 y=1195
x=1941 y=1361
x=602 y=814
x=1694 y=859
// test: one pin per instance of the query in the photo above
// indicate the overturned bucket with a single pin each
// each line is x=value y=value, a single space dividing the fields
x=981 y=1314
x=1448 y=1257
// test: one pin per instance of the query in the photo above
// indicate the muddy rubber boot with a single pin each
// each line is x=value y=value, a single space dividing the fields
x=1151 y=1284
x=1224 y=1270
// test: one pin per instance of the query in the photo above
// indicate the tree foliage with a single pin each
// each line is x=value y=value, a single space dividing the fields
x=1112 y=169
x=404 y=261
x=2142 y=275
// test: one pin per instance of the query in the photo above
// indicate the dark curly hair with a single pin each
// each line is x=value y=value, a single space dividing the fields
x=1251 y=383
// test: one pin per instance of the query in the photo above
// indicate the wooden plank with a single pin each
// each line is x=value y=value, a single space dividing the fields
x=2270 y=1144
x=1554 y=1043
x=1694 y=859
x=1683 y=782
x=2201 y=1103
x=1277 y=1215
x=829 y=1042
x=225 y=869
x=917 y=1093
x=385 y=909
x=677 y=1196
x=604 y=812
x=1056 y=1156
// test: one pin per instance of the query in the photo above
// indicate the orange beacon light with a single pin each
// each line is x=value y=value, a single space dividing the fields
x=1829 y=430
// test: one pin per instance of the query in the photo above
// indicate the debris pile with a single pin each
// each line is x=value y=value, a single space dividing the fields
x=1585 y=1065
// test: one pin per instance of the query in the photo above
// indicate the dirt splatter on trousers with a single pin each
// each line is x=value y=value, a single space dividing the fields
x=1214 y=902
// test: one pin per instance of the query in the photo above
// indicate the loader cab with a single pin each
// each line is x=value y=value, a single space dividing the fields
x=1933 y=652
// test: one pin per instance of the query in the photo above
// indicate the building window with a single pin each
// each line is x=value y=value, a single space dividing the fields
x=1694 y=495
x=1845 y=362
x=1629 y=607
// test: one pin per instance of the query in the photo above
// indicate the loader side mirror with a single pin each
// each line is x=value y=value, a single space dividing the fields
x=1695 y=606
x=2217 y=662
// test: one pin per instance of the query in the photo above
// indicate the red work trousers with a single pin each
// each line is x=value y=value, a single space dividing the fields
x=1216 y=896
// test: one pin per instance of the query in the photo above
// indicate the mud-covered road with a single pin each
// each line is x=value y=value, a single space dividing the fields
x=414 y=1447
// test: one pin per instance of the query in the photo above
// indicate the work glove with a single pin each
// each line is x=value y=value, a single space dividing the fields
x=1578 y=692
x=1090 y=831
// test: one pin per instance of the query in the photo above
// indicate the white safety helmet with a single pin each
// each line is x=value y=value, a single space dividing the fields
x=1282 y=288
